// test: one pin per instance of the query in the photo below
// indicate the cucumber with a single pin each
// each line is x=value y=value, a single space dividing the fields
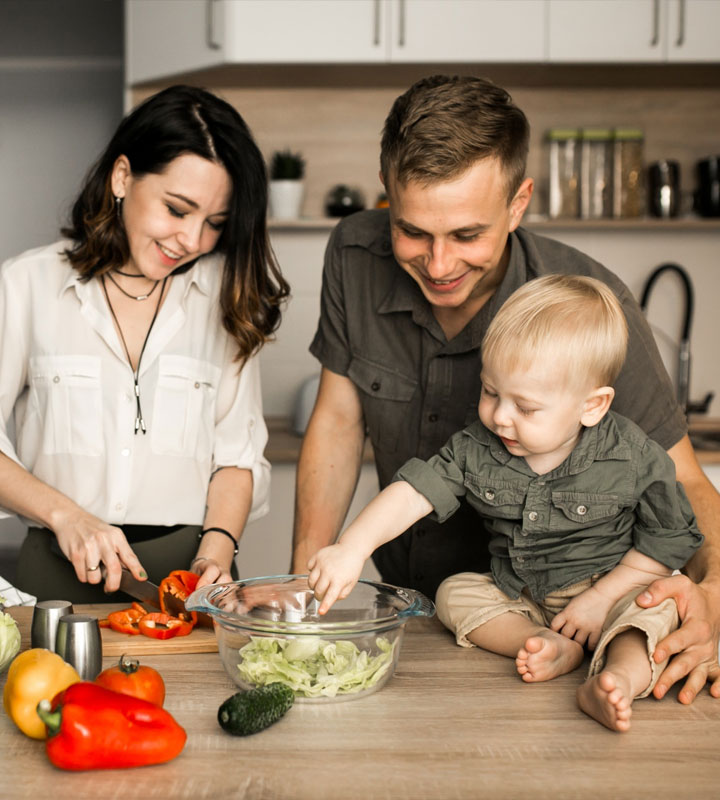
x=256 y=709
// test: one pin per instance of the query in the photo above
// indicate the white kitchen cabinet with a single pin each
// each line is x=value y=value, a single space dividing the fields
x=166 y=37
x=480 y=31
x=693 y=30
x=633 y=31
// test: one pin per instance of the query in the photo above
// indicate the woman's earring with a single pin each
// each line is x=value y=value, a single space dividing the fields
x=118 y=205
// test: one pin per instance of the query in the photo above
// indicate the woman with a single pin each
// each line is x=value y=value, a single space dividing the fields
x=128 y=356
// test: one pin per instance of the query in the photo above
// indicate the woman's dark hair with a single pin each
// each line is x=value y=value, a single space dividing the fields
x=177 y=121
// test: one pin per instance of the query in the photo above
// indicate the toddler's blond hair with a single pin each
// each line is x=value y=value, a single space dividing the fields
x=573 y=320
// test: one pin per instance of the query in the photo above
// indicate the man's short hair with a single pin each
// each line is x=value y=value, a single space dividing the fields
x=567 y=320
x=443 y=124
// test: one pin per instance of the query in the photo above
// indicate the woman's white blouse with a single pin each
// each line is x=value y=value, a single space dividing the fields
x=65 y=377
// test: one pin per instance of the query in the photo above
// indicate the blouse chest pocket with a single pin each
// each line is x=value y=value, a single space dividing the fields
x=495 y=499
x=183 y=419
x=66 y=393
x=384 y=395
x=583 y=509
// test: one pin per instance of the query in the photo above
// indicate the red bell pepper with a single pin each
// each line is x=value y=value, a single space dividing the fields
x=126 y=620
x=90 y=727
x=162 y=626
x=175 y=590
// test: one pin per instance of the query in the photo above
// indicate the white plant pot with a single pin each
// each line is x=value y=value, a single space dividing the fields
x=286 y=199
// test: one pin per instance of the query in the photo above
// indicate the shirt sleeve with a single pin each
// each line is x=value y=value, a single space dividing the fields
x=331 y=345
x=240 y=431
x=440 y=479
x=666 y=528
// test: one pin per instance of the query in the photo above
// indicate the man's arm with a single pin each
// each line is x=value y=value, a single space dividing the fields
x=329 y=467
x=695 y=644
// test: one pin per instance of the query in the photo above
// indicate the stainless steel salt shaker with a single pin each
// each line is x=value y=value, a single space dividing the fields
x=46 y=615
x=78 y=642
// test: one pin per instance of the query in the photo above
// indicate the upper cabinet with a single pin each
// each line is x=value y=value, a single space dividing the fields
x=168 y=37
x=633 y=31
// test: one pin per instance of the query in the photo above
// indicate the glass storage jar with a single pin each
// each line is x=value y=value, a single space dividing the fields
x=596 y=173
x=564 y=172
x=628 y=170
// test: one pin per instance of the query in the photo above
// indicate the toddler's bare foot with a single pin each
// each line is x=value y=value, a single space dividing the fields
x=607 y=697
x=548 y=655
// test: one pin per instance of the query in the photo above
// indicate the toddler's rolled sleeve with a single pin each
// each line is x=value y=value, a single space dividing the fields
x=666 y=528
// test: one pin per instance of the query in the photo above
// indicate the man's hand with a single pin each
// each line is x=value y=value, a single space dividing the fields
x=694 y=645
x=334 y=571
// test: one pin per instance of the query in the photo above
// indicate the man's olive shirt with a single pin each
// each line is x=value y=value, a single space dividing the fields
x=615 y=491
x=417 y=388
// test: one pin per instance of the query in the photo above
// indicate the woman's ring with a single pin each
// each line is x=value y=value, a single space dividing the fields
x=92 y=569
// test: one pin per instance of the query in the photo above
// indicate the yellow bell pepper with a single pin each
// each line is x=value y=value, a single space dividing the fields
x=35 y=675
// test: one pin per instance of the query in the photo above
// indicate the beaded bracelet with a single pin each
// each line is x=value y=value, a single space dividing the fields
x=224 y=532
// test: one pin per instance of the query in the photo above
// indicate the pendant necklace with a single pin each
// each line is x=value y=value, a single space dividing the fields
x=139 y=421
x=127 y=294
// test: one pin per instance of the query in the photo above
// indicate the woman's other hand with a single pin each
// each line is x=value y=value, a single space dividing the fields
x=210 y=571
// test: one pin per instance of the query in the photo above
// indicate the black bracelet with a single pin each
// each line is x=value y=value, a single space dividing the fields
x=224 y=532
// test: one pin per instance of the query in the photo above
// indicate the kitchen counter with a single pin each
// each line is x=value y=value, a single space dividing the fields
x=451 y=723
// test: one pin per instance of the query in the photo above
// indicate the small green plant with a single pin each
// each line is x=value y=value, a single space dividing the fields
x=287 y=166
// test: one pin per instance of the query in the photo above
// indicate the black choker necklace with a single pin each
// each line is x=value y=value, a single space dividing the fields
x=129 y=274
x=133 y=296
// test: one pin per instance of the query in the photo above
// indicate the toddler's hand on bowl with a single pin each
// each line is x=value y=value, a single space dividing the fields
x=333 y=571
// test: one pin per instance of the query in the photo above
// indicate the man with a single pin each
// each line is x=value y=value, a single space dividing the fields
x=407 y=295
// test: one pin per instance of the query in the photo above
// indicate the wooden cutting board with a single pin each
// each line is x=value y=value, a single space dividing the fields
x=201 y=640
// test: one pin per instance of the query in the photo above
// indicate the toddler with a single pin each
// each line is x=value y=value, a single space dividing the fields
x=582 y=508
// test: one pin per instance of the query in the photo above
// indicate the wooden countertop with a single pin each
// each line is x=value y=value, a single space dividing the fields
x=284 y=445
x=451 y=723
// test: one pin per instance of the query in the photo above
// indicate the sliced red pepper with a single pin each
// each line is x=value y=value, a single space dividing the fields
x=126 y=620
x=175 y=590
x=159 y=625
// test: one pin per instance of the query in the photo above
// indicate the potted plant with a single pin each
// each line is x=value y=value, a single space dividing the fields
x=287 y=171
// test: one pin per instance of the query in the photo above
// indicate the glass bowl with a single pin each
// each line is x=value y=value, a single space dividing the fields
x=268 y=631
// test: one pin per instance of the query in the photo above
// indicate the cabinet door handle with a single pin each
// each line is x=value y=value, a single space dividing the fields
x=376 y=23
x=655 y=24
x=401 y=23
x=680 y=41
x=210 y=25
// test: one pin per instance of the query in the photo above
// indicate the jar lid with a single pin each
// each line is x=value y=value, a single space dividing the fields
x=563 y=134
x=629 y=133
x=596 y=134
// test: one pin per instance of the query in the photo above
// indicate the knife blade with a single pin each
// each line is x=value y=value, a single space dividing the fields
x=144 y=591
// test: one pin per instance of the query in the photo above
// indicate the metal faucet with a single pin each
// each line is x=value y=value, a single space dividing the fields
x=683 y=378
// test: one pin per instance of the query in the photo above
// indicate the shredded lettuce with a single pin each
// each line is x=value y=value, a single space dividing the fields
x=313 y=667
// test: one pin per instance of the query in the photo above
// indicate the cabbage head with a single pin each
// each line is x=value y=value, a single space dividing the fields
x=9 y=640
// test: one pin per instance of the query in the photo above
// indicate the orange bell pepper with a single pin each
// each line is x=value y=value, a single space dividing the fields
x=175 y=590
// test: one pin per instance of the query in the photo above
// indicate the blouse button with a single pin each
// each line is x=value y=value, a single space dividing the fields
x=433 y=418
x=489 y=494
x=56 y=379
x=197 y=385
x=581 y=510
x=532 y=516
x=375 y=386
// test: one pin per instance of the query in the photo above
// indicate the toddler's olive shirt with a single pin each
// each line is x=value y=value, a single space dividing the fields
x=615 y=491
